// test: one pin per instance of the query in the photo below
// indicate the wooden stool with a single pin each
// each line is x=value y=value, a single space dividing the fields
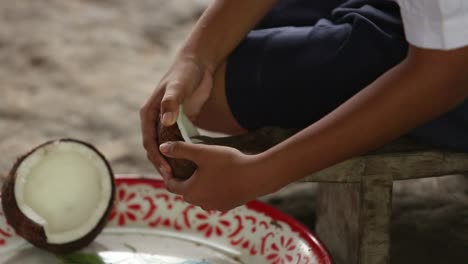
x=354 y=199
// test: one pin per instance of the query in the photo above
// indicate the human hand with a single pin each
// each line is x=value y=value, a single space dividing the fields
x=188 y=82
x=225 y=178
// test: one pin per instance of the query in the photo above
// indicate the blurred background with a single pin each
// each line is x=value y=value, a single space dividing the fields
x=83 y=68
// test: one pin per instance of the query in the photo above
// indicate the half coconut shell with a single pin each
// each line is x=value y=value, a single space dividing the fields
x=27 y=222
x=182 y=130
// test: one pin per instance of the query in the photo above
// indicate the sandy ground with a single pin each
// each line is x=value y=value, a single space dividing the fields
x=82 y=69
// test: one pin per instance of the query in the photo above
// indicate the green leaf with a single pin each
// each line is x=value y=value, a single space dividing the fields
x=81 y=258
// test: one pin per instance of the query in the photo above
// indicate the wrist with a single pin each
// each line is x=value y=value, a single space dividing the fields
x=203 y=61
x=272 y=171
x=290 y=160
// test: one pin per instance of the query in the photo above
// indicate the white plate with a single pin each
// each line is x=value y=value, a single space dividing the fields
x=150 y=225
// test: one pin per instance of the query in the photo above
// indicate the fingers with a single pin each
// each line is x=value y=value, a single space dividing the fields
x=163 y=106
x=187 y=189
x=170 y=103
x=183 y=188
x=175 y=186
x=149 y=116
x=183 y=150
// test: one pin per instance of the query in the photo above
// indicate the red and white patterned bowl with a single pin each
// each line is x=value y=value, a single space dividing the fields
x=148 y=219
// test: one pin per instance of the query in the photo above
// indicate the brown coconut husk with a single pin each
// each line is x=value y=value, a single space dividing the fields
x=33 y=232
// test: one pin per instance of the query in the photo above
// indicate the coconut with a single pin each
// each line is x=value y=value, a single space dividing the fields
x=182 y=130
x=59 y=195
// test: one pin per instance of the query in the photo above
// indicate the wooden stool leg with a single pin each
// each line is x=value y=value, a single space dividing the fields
x=376 y=214
x=353 y=220
x=338 y=207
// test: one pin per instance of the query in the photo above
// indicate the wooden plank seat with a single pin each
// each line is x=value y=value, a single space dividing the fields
x=354 y=199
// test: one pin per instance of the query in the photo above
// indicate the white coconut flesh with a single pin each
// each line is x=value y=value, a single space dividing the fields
x=66 y=188
x=186 y=127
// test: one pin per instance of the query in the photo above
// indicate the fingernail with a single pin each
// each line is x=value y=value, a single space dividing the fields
x=168 y=118
x=165 y=147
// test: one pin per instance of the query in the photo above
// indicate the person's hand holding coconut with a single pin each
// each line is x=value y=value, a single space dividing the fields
x=190 y=82
x=225 y=177
x=213 y=177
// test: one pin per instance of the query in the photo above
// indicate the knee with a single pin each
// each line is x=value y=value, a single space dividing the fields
x=219 y=122
x=216 y=115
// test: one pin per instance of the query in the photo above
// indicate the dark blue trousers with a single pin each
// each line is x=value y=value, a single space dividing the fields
x=306 y=57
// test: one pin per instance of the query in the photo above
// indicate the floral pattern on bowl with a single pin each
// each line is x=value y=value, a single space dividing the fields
x=254 y=233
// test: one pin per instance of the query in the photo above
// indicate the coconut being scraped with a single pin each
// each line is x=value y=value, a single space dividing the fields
x=182 y=130
x=59 y=196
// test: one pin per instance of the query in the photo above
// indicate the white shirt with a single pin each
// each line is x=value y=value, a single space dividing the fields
x=435 y=24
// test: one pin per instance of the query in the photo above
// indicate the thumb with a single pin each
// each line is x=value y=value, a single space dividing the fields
x=183 y=150
x=173 y=97
x=194 y=103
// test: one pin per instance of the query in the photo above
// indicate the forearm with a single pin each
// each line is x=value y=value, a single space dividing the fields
x=419 y=89
x=221 y=28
